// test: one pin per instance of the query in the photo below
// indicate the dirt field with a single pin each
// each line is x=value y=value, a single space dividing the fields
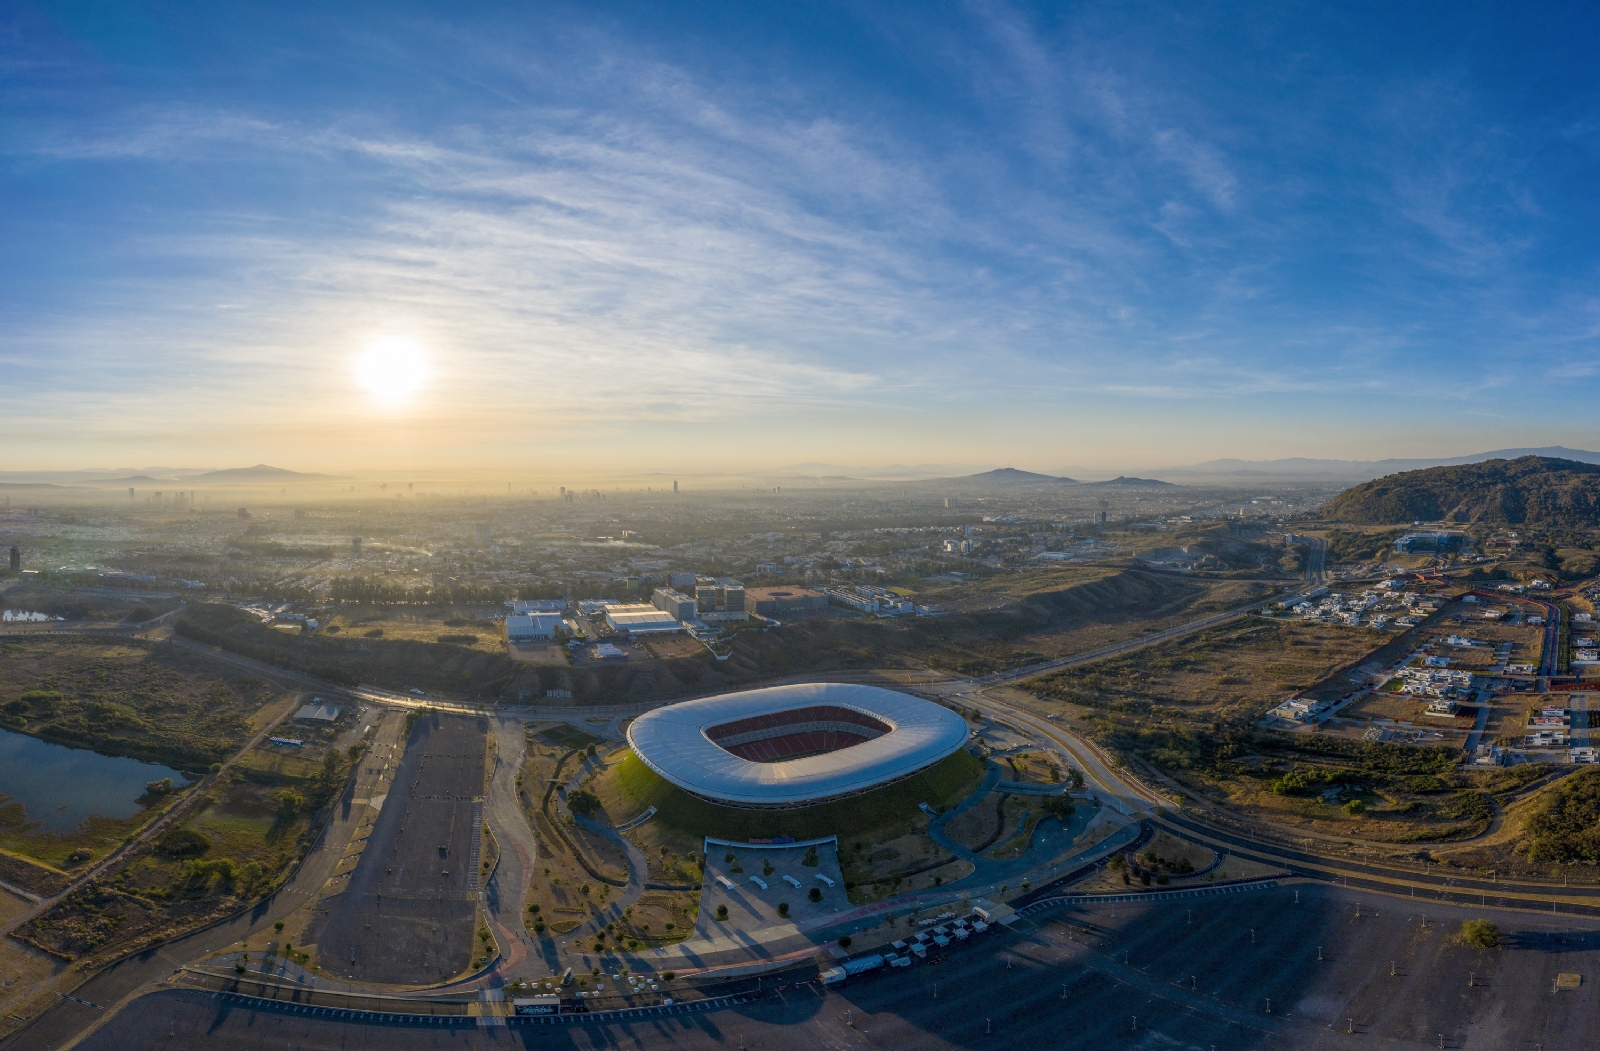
x=547 y=654
x=124 y=697
x=1234 y=672
x=26 y=974
x=665 y=647
x=420 y=624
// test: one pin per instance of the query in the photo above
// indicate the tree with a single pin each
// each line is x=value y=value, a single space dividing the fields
x=815 y=894
x=722 y=912
x=1480 y=934
x=289 y=804
x=783 y=909
x=1355 y=807
x=583 y=802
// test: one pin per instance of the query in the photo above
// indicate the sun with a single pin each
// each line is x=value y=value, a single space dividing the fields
x=392 y=368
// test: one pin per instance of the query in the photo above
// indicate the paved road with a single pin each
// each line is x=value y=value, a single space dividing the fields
x=177 y=813
x=69 y=1019
x=507 y=890
x=1234 y=972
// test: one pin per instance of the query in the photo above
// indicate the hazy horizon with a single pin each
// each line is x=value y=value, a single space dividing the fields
x=1113 y=239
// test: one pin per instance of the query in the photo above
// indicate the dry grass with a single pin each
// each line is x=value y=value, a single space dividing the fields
x=1235 y=671
x=421 y=624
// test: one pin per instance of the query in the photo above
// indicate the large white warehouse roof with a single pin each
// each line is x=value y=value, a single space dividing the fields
x=845 y=738
x=641 y=619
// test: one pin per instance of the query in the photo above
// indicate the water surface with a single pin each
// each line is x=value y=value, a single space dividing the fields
x=63 y=787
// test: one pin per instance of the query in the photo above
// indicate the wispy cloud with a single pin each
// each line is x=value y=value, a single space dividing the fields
x=622 y=230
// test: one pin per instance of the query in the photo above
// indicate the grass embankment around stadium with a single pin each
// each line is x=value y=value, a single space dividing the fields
x=879 y=831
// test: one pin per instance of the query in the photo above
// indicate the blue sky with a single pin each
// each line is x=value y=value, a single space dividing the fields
x=1114 y=235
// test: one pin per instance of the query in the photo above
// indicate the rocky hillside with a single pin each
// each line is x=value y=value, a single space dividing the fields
x=1532 y=490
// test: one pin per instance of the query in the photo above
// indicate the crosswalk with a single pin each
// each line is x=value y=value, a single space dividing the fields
x=474 y=864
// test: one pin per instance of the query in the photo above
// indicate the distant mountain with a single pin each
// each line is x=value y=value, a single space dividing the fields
x=1536 y=490
x=1123 y=481
x=259 y=473
x=892 y=471
x=133 y=479
x=1010 y=476
x=1343 y=471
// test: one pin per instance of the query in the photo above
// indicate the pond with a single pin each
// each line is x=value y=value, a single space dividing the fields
x=63 y=787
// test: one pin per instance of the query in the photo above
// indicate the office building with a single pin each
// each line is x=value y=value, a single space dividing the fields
x=16 y=558
x=676 y=603
x=766 y=601
x=482 y=532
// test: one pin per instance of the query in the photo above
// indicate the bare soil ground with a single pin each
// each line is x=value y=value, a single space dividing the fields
x=1235 y=671
x=666 y=647
x=27 y=975
x=420 y=624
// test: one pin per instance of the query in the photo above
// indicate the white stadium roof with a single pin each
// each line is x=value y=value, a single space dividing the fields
x=672 y=741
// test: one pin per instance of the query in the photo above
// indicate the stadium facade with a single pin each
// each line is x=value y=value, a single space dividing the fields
x=795 y=745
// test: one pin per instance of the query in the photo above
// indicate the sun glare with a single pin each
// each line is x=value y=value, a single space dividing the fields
x=392 y=368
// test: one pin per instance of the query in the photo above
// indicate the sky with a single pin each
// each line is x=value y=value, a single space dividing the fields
x=394 y=236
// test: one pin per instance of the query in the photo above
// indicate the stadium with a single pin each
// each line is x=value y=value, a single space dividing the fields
x=797 y=745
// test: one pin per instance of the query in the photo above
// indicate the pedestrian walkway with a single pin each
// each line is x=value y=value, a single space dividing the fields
x=1047 y=904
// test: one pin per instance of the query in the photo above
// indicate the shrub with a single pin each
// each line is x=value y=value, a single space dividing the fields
x=722 y=912
x=1355 y=807
x=815 y=894
x=844 y=941
x=1480 y=934
x=182 y=843
x=783 y=909
x=583 y=802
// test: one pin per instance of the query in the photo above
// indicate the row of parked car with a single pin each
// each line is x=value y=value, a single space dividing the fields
x=905 y=953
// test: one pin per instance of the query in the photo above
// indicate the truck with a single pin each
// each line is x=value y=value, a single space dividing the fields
x=859 y=965
x=548 y=1004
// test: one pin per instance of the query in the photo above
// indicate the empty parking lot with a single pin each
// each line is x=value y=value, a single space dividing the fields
x=408 y=912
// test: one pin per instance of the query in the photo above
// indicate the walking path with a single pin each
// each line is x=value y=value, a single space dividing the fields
x=507 y=889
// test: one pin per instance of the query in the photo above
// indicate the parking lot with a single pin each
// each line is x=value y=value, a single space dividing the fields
x=407 y=916
x=1182 y=973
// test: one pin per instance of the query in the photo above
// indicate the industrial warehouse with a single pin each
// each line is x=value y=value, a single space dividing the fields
x=794 y=745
